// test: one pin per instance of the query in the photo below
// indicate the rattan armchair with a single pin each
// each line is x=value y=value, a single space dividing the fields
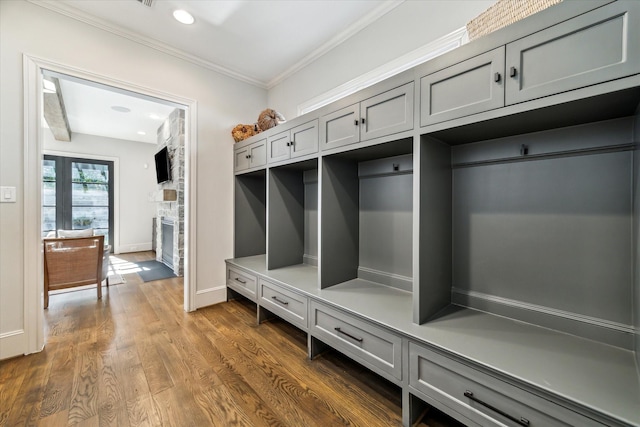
x=71 y=262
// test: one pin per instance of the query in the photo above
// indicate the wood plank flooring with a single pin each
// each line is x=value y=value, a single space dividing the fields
x=135 y=358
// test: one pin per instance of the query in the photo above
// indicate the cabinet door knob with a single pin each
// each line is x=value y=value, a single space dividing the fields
x=512 y=72
x=288 y=144
x=496 y=77
x=246 y=157
x=249 y=156
x=355 y=122
x=362 y=120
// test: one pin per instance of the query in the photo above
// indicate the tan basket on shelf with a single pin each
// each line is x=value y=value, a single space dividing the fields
x=503 y=13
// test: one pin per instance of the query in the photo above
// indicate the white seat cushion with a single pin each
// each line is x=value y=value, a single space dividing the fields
x=76 y=233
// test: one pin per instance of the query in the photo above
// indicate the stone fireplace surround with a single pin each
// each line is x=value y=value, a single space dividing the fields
x=171 y=134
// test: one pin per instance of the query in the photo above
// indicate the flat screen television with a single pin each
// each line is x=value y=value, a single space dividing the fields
x=163 y=166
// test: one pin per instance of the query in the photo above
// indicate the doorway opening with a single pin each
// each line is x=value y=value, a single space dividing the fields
x=89 y=118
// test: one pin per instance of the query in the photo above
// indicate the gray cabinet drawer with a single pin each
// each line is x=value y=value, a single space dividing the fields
x=469 y=87
x=286 y=304
x=374 y=347
x=241 y=282
x=551 y=61
x=481 y=397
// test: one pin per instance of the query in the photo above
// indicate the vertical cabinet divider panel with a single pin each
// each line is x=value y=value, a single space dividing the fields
x=432 y=263
x=339 y=232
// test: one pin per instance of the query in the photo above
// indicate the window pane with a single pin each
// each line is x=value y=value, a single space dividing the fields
x=90 y=194
x=89 y=173
x=48 y=196
x=90 y=217
x=49 y=193
x=48 y=219
x=48 y=170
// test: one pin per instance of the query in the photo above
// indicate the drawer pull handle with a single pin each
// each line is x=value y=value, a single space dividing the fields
x=241 y=281
x=522 y=421
x=349 y=335
x=279 y=300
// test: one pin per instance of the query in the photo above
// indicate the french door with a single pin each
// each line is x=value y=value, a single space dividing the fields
x=77 y=194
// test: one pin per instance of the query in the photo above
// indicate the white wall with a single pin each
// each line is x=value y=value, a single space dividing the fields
x=26 y=28
x=404 y=29
x=133 y=183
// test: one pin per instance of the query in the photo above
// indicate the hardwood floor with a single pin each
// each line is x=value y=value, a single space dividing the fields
x=135 y=358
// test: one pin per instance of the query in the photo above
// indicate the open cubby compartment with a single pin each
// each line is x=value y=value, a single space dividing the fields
x=292 y=212
x=367 y=215
x=250 y=214
x=537 y=227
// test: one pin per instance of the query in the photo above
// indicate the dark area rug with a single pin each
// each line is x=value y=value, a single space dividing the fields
x=154 y=270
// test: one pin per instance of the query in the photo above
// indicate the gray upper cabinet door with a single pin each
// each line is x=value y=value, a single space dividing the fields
x=258 y=154
x=340 y=127
x=387 y=113
x=469 y=87
x=304 y=139
x=279 y=147
x=241 y=159
x=250 y=156
x=548 y=62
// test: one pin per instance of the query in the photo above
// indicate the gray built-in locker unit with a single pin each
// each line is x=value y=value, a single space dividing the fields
x=467 y=229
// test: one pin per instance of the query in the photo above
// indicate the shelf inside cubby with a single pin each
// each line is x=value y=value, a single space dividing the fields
x=293 y=215
x=367 y=199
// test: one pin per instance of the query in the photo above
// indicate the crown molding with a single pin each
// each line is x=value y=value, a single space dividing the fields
x=102 y=24
x=78 y=15
x=337 y=40
x=418 y=56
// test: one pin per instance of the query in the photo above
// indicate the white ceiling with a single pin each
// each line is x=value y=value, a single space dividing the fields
x=89 y=111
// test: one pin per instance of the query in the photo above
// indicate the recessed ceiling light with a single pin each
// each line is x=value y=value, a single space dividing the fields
x=141 y=132
x=154 y=116
x=183 y=16
x=121 y=109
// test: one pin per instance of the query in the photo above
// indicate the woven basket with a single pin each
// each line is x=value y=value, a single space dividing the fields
x=503 y=13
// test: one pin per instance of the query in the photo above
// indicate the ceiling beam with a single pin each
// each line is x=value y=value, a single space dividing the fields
x=54 y=111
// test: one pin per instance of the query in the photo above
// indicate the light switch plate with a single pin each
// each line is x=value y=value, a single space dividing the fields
x=7 y=194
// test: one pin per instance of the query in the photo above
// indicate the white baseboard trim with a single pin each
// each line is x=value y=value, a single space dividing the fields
x=134 y=247
x=394 y=280
x=613 y=333
x=211 y=296
x=12 y=344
